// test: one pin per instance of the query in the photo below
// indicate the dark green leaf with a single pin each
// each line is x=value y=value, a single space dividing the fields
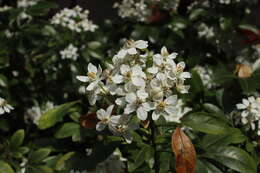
x=51 y=117
x=68 y=130
x=5 y=167
x=40 y=154
x=17 y=139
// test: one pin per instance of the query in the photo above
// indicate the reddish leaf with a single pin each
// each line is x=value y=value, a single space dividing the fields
x=184 y=152
x=89 y=121
x=243 y=71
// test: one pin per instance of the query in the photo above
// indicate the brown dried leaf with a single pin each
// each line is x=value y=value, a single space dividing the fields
x=243 y=71
x=145 y=123
x=184 y=152
x=89 y=121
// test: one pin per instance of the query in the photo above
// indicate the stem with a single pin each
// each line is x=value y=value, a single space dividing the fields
x=156 y=156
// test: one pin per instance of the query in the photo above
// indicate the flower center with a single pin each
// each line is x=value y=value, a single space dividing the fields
x=91 y=75
x=161 y=105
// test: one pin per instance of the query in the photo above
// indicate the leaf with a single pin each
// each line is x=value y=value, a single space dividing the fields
x=51 y=117
x=195 y=14
x=61 y=162
x=215 y=111
x=44 y=169
x=5 y=167
x=203 y=166
x=89 y=121
x=67 y=130
x=4 y=125
x=17 y=139
x=184 y=152
x=234 y=158
x=203 y=122
x=40 y=154
x=232 y=136
x=243 y=71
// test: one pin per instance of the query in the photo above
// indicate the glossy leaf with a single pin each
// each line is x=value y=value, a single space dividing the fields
x=17 y=139
x=5 y=167
x=51 y=117
x=234 y=158
x=67 y=130
x=206 y=123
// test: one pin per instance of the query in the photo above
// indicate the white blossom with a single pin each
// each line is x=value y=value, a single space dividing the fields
x=180 y=110
x=120 y=126
x=104 y=117
x=75 y=19
x=26 y=3
x=250 y=114
x=4 y=106
x=34 y=113
x=166 y=107
x=70 y=52
x=5 y=8
x=206 y=74
x=205 y=32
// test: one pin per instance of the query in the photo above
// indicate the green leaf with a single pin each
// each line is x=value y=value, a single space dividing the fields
x=196 y=83
x=203 y=122
x=249 y=27
x=44 y=169
x=17 y=139
x=67 y=130
x=4 y=125
x=61 y=162
x=232 y=136
x=5 y=167
x=202 y=166
x=51 y=117
x=215 y=111
x=40 y=154
x=94 y=44
x=234 y=158
x=195 y=14
x=3 y=81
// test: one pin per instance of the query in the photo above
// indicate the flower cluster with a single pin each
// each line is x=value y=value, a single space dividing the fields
x=139 y=84
x=181 y=110
x=4 y=106
x=250 y=114
x=70 y=52
x=205 y=31
x=26 y=3
x=142 y=10
x=205 y=74
x=34 y=113
x=133 y=9
x=74 y=19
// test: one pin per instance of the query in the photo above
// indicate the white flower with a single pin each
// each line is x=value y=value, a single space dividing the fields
x=93 y=76
x=165 y=107
x=179 y=112
x=5 y=8
x=74 y=19
x=177 y=73
x=4 y=106
x=104 y=116
x=206 y=74
x=119 y=126
x=131 y=48
x=70 y=52
x=132 y=9
x=26 y=3
x=137 y=102
x=205 y=32
x=250 y=111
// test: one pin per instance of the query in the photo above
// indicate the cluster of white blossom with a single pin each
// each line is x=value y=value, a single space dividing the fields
x=26 y=3
x=140 y=84
x=201 y=4
x=250 y=114
x=133 y=9
x=5 y=8
x=75 y=19
x=205 y=31
x=35 y=112
x=205 y=74
x=70 y=52
x=227 y=2
x=4 y=106
x=181 y=110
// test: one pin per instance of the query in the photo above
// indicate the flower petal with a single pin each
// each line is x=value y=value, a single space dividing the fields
x=83 y=78
x=141 y=113
x=92 y=68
